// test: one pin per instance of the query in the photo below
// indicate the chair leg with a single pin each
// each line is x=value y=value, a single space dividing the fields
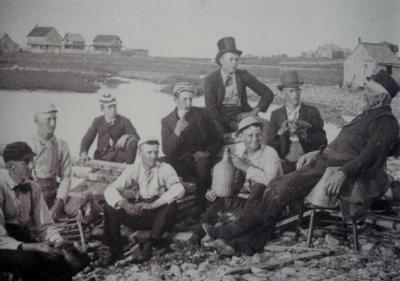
x=299 y=222
x=310 y=227
x=355 y=234
x=344 y=230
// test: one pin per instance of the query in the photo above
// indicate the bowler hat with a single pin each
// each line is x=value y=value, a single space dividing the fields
x=17 y=151
x=248 y=121
x=289 y=79
x=386 y=81
x=225 y=45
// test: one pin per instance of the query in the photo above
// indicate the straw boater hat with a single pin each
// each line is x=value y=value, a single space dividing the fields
x=107 y=99
x=182 y=87
x=386 y=81
x=289 y=79
x=225 y=45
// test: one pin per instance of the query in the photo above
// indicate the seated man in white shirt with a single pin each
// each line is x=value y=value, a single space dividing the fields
x=155 y=186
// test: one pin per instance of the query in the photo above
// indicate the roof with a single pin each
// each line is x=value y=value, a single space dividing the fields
x=332 y=47
x=39 y=31
x=73 y=37
x=106 y=39
x=381 y=53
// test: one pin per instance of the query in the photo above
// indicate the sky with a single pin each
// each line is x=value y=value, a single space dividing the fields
x=191 y=28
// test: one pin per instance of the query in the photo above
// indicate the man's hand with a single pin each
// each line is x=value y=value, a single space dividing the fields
x=211 y=195
x=306 y=159
x=130 y=209
x=181 y=125
x=84 y=157
x=239 y=163
x=122 y=141
x=144 y=206
x=200 y=154
x=334 y=183
x=57 y=209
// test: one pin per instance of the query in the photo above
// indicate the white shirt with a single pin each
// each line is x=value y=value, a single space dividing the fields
x=160 y=181
x=265 y=165
x=52 y=164
x=231 y=91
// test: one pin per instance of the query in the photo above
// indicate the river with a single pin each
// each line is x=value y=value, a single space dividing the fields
x=142 y=102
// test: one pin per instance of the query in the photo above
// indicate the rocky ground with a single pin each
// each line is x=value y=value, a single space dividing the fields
x=331 y=258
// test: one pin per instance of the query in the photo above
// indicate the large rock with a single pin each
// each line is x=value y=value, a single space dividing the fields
x=175 y=270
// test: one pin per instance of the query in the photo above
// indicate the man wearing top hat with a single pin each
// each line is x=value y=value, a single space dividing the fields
x=116 y=137
x=29 y=240
x=52 y=170
x=295 y=128
x=190 y=141
x=353 y=162
x=225 y=89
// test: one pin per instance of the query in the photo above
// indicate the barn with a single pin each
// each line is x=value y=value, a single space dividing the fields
x=368 y=58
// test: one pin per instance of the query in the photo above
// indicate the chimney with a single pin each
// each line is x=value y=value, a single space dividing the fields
x=359 y=40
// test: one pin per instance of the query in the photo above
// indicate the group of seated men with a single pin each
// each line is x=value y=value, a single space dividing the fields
x=281 y=163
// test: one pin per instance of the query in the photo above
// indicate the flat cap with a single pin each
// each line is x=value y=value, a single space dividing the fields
x=46 y=107
x=17 y=151
x=248 y=121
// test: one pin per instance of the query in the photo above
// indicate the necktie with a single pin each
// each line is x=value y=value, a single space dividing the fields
x=228 y=81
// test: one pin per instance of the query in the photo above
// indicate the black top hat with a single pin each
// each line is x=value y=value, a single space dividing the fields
x=386 y=81
x=290 y=79
x=226 y=44
x=17 y=151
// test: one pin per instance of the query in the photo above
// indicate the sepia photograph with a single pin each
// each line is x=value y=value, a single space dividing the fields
x=199 y=140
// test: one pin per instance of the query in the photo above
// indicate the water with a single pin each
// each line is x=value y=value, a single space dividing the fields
x=142 y=102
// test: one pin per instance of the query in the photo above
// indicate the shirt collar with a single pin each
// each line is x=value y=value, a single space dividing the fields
x=225 y=75
x=43 y=142
x=296 y=109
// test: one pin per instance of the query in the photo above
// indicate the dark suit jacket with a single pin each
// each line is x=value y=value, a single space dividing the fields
x=316 y=135
x=201 y=135
x=214 y=93
x=105 y=132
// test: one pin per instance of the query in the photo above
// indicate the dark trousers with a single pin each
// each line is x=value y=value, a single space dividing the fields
x=156 y=220
x=219 y=205
x=266 y=203
x=126 y=155
x=32 y=265
x=199 y=172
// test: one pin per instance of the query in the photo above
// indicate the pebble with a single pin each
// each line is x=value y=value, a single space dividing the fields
x=187 y=266
x=367 y=247
x=175 y=270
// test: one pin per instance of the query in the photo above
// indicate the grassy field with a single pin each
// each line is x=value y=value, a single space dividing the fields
x=93 y=68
